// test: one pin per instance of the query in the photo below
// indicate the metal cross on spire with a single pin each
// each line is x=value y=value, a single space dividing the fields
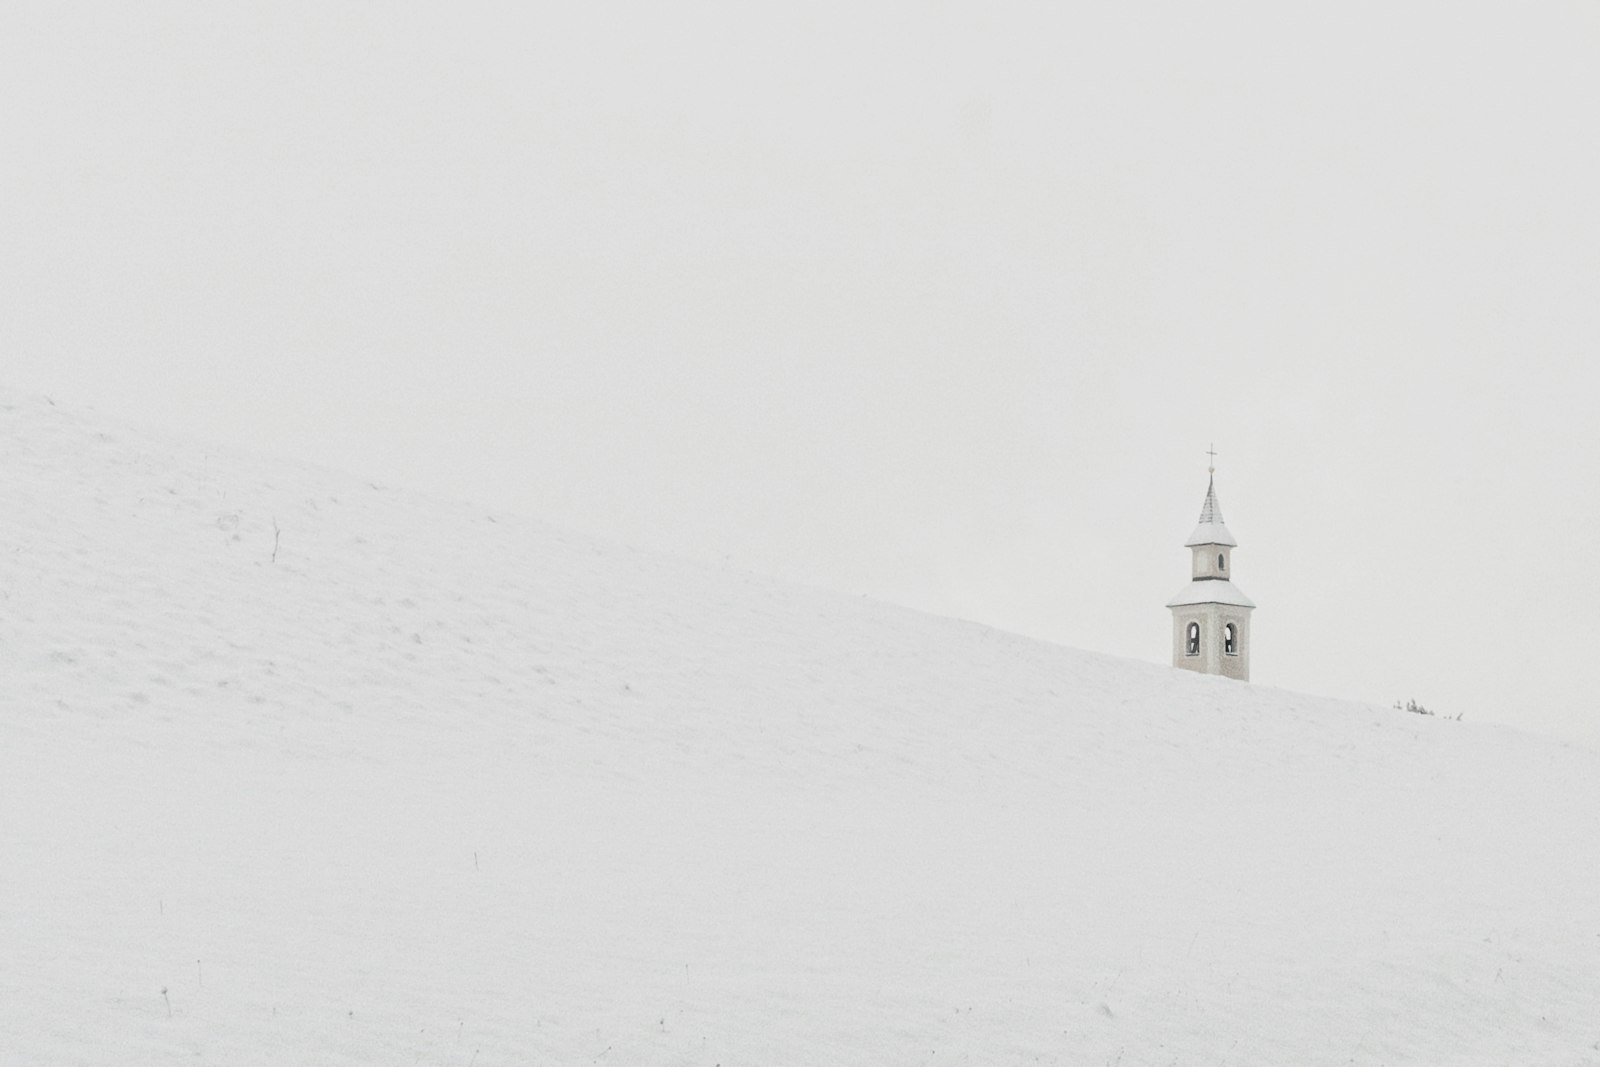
x=1212 y=452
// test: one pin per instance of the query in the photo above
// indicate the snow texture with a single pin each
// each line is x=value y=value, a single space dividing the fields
x=1211 y=533
x=1210 y=591
x=443 y=786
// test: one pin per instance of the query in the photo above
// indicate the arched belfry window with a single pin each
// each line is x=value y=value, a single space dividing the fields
x=1222 y=562
x=1191 y=643
x=1230 y=640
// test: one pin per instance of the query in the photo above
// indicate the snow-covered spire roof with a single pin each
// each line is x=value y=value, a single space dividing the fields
x=1215 y=591
x=1211 y=531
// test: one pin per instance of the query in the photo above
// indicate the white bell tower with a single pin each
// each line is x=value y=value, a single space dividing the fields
x=1210 y=616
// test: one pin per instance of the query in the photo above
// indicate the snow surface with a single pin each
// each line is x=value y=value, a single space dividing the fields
x=442 y=786
x=1210 y=591
x=1211 y=533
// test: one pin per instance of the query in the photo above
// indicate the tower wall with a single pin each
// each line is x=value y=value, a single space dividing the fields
x=1212 y=659
x=1205 y=562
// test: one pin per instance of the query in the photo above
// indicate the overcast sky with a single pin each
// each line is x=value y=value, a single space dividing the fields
x=937 y=302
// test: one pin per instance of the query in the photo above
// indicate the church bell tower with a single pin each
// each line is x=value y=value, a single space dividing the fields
x=1210 y=617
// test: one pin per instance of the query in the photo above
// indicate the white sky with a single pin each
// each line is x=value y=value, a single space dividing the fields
x=936 y=302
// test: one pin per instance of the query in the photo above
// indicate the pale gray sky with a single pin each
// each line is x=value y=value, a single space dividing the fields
x=937 y=302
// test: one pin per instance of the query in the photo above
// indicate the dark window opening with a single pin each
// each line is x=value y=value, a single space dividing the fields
x=1222 y=562
x=1230 y=640
x=1191 y=645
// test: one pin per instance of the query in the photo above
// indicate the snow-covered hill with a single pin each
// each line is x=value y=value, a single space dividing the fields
x=299 y=769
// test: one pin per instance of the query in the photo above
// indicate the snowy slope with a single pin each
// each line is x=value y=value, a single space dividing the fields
x=443 y=786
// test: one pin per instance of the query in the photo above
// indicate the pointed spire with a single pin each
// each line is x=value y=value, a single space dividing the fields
x=1211 y=530
x=1211 y=511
